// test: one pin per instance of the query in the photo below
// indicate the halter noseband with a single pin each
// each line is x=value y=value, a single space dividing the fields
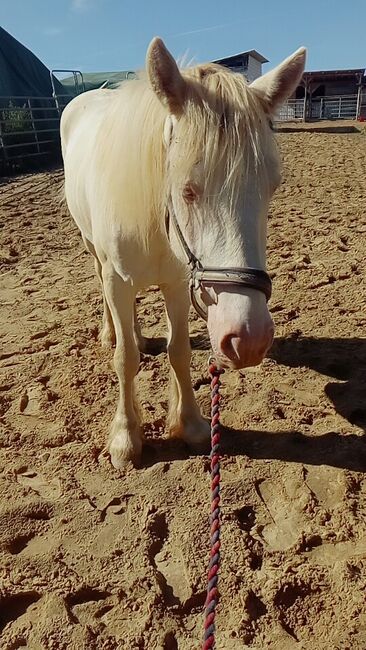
x=245 y=277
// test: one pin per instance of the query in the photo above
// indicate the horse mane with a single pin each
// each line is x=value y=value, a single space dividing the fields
x=223 y=124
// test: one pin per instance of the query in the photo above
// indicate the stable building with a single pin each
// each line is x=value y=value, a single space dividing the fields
x=328 y=95
x=247 y=63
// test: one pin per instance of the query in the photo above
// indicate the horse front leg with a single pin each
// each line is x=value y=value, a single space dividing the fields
x=184 y=418
x=107 y=334
x=125 y=441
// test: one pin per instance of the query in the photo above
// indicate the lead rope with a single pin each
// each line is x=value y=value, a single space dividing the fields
x=213 y=569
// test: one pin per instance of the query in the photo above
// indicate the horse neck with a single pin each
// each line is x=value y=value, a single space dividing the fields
x=139 y=159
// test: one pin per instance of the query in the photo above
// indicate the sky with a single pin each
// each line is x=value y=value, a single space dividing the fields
x=107 y=35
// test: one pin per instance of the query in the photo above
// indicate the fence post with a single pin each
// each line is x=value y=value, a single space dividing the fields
x=358 y=104
x=2 y=143
x=33 y=125
x=57 y=103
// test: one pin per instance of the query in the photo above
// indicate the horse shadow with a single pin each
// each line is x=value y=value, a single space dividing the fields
x=344 y=452
x=339 y=358
x=153 y=346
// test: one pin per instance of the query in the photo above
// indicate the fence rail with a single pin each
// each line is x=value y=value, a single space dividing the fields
x=334 y=108
x=342 y=107
x=30 y=126
x=293 y=109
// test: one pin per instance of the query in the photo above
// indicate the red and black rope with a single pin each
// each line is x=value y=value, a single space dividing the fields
x=212 y=590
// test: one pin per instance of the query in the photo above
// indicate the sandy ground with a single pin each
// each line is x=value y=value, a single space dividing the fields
x=93 y=559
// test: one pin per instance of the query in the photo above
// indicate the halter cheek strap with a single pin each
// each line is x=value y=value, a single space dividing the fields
x=200 y=275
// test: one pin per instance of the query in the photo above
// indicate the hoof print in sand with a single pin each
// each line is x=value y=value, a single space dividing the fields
x=48 y=489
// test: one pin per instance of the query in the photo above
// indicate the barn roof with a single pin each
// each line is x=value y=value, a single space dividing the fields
x=333 y=74
x=236 y=58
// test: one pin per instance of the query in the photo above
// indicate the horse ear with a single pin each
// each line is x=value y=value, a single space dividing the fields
x=278 y=85
x=164 y=76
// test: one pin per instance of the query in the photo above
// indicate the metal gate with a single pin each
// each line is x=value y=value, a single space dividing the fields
x=344 y=107
x=30 y=126
x=293 y=109
x=339 y=107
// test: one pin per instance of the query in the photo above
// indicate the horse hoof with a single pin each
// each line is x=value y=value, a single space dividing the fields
x=124 y=452
x=195 y=434
x=201 y=444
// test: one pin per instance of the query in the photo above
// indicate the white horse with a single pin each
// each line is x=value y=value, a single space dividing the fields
x=169 y=179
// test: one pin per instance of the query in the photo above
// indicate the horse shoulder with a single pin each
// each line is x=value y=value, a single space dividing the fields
x=81 y=113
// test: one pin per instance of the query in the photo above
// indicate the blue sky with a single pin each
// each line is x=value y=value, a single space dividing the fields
x=101 y=35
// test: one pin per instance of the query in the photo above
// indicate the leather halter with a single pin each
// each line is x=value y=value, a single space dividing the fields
x=200 y=275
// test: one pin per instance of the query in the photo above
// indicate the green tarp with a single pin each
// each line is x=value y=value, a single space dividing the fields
x=22 y=74
x=29 y=112
x=93 y=80
x=29 y=116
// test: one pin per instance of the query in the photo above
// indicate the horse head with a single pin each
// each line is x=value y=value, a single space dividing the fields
x=222 y=168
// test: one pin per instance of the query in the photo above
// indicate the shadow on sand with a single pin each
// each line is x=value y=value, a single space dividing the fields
x=341 y=359
x=345 y=452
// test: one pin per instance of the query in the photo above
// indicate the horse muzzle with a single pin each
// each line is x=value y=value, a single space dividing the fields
x=241 y=329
